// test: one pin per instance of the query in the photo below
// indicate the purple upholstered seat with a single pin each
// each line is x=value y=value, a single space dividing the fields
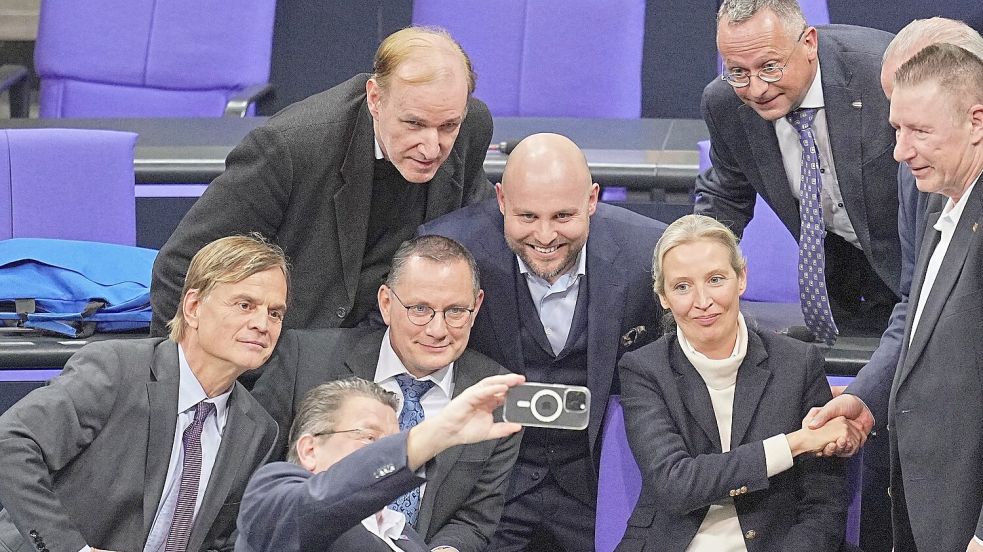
x=772 y=253
x=150 y=58
x=67 y=184
x=549 y=58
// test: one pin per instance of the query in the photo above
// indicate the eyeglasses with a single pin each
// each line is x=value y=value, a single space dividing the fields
x=364 y=435
x=770 y=73
x=421 y=315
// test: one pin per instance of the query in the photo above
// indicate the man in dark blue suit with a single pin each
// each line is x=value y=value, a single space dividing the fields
x=348 y=460
x=560 y=307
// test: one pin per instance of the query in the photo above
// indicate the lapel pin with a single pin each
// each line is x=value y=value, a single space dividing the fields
x=857 y=104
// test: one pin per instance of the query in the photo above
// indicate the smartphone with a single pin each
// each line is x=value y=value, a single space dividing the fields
x=549 y=405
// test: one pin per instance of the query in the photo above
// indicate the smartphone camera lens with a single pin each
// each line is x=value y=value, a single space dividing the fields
x=576 y=401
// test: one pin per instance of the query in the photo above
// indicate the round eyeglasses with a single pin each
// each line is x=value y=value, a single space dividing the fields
x=770 y=73
x=421 y=315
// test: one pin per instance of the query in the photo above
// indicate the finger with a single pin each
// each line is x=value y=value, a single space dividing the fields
x=503 y=429
x=817 y=417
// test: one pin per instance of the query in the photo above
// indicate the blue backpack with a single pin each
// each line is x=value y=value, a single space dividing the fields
x=74 y=288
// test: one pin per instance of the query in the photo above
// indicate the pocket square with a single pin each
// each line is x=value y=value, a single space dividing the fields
x=632 y=335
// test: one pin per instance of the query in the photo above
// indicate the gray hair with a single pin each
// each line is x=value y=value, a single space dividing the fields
x=922 y=32
x=438 y=249
x=956 y=71
x=691 y=228
x=739 y=11
x=318 y=410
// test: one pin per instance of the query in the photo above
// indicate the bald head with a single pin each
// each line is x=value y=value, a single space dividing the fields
x=547 y=198
x=921 y=33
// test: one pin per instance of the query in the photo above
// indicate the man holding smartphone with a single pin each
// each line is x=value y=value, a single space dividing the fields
x=428 y=303
x=560 y=308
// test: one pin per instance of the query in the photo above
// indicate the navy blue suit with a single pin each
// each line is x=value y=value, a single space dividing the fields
x=288 y=509
x=622 y=314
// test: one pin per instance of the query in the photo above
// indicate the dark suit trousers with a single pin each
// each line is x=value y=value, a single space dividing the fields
x=545 y=519
x=861 y=302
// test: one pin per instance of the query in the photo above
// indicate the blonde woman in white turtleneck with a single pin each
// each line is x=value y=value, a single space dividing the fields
x=713 y=413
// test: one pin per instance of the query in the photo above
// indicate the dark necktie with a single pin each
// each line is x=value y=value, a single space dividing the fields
x=412 y=414
x=184 y=512
x=812 y=262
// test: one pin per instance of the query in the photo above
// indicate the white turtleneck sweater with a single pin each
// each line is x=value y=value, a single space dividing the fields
x=721 y=530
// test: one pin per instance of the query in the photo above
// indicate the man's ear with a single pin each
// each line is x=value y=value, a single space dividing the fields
x=385 y=301
x=373 y=96
x=306 y=449
x=190 y=304
x=500 y=195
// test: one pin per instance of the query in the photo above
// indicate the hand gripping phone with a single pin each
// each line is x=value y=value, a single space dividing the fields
x=550 y=405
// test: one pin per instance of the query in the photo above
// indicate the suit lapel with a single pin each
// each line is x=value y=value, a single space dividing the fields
x=162 y=395
x=607 y=295
x=752 y=378
x=764 y=147
x=694 y=394
x=445 y=193
x=239 y=442
x=353 y=200
x=364 y=358
x=501 y=306
x=945 y=281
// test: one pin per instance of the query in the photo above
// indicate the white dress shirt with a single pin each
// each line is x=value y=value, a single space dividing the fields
x=190 y=393
x=834 y=213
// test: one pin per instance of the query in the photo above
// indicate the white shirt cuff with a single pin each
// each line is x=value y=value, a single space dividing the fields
x=778 y=454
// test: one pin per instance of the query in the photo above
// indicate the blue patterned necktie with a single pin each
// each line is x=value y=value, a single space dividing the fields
x=184 y=512
x=412 y=414
x=812 y=262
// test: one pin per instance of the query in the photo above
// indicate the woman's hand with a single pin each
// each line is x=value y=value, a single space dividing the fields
x=815 y=440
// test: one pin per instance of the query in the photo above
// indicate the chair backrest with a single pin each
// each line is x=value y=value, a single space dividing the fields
x=68 y=184
x=150 y=58
x=549 y=58
x=772 y=253
x=619 y=483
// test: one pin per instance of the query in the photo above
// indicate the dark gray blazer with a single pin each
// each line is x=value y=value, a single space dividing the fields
x=623 y=313
x=465 y=484
x=936 y=402
x=288 y=509
x=673 y=434
x=746 y=157
x=84 y=459
x=304 y=180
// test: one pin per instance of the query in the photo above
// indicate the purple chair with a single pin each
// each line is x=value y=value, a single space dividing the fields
x=619 y=482
x=153 y=58
x=67 y=184
x=772 y=254
x=549 y=58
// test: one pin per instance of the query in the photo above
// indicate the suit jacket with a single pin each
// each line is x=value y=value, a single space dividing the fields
x=288 y=509
x=936 y=403
x=85 y=458
x=623 y=313
x=746 y=158
x=673 y=434
x=463 y=500
x=304 y=180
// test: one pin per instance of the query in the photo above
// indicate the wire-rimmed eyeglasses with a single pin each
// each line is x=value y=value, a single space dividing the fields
x=421 y=315
x=770 y=73
x=364 y=435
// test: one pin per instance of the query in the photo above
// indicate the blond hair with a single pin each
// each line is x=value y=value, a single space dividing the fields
x=417 y=41
x=691 y=228
x=226 y=260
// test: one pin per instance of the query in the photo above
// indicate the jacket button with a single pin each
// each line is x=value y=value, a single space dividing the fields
x=743 y=489
x=341 y=312
x=751 y=534
x=733 y=492
x=33 y=533
x=535 y=475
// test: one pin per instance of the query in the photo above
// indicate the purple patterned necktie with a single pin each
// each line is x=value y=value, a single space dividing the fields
x=412 y=414
x=812 y=273
x=184 y=512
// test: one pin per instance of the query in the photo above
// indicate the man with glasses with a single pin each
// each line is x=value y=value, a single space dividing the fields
x=799 y=118
x=568 y=284
x=348 y=460
x=428 y=302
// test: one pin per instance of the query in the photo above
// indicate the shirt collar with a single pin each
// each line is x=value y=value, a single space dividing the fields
x=563 y=281
x=378 y=148
x=952 y=212
x=814 y=96
x=390 y=366
x=191 y=393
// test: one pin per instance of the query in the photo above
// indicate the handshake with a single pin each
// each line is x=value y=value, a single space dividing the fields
x=839 y=428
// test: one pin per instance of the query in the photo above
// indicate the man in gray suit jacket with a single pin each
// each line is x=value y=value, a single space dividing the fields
x=122 y=452
x=935 y=402
x=310 y=180
x=774 y=64
x=429 y=303
x=348 y=460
